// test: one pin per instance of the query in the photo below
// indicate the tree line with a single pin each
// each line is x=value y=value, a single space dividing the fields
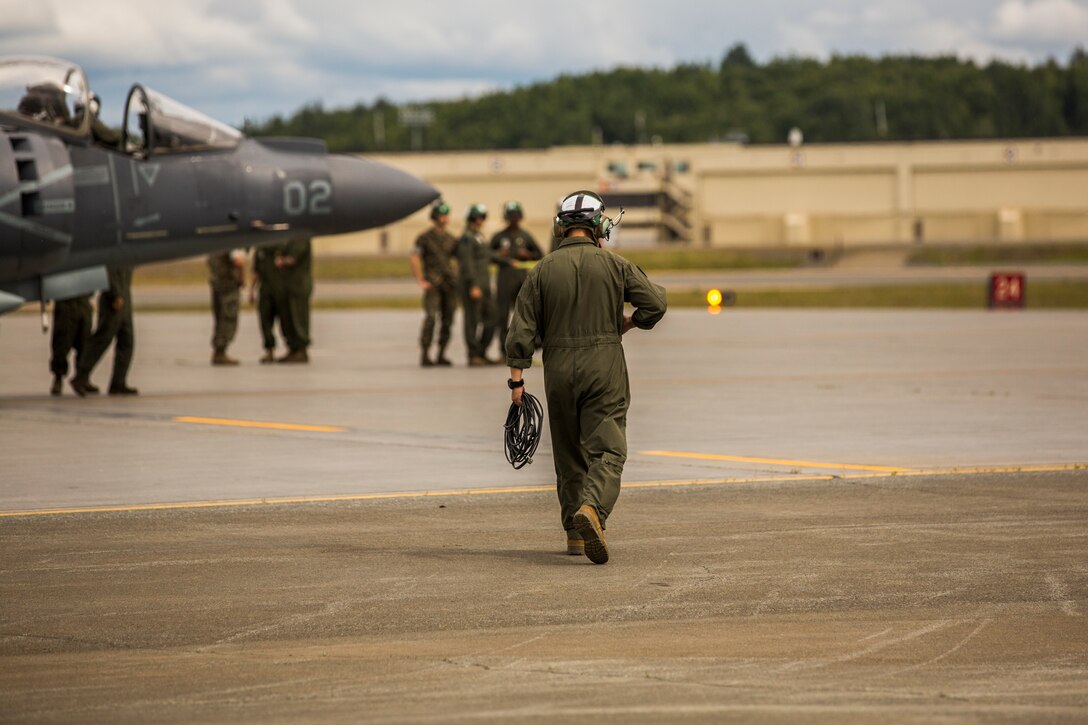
x=843 y=99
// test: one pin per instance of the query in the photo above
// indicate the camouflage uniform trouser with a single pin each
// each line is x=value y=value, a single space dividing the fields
x=225 y=304
x=437 y=301
x=588 y=396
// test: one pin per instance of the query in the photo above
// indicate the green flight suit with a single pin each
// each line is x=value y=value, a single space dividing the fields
x=474 y=258
x=574 y=299
x=437 y=249
x=509 y=248
x=271 y=298
x=298 y=287
x=73 y=320
x=113 y=325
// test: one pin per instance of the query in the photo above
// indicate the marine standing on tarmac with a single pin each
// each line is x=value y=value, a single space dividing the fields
x=296 y=267
x=226 y=275
x=114 y=323
x=72 y=322
x=510 y=248
x=267 y=287
x=432 y=266
x=474 y=259
x=574 y=298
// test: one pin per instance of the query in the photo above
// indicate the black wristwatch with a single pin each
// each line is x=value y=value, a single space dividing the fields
x=514 y=385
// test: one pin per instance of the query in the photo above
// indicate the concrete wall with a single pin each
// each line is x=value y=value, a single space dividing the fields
x=815 y=195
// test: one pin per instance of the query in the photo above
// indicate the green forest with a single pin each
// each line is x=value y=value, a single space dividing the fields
x=844 y=99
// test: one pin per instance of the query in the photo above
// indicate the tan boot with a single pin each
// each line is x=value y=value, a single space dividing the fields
x=220 y=357
x=295 y=357
x=576 y=547
x=588 y=525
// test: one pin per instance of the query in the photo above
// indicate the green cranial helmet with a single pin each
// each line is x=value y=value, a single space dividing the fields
x=512 y=210
x=439 y=208
x=582 y=209
x=476 y=211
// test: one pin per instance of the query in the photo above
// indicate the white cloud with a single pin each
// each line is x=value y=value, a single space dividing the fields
x=25 y=20
x=1043 y=20
x=802 y=39
x=235 y=58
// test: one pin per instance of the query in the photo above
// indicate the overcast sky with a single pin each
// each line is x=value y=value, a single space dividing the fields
x=236 y=59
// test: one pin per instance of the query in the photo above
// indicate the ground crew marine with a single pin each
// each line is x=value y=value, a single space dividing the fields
x=226 y=275
x=574 y=299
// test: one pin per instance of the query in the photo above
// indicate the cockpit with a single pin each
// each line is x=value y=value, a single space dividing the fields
x=46 y=91
x=53 y=93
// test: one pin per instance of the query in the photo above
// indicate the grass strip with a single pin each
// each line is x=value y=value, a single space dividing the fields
x=370 y=267
x=997 y=254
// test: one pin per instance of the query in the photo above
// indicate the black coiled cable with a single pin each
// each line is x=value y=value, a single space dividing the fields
x=523 y=427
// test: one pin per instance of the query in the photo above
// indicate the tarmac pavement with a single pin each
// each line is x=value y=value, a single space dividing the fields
x=827 y=515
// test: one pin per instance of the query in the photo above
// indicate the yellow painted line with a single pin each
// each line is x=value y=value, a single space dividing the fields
x=277 y=501
x=773 y=461
x=530 y=489
x=260 y=424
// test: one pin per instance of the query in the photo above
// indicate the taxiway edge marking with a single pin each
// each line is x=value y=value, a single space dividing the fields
x=532 y=489
x=775 y=461
x=259 y=424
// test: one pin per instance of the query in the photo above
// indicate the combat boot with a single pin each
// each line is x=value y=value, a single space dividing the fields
x=123 y=389
x=588 y=524
x=476 y=361
x=295 y=356
x=220 y=357
x=82 y=386
x=58 y=385
x=425 y=360
x=442 y=359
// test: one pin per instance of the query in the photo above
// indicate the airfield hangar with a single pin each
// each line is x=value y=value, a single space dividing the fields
x=821 y=196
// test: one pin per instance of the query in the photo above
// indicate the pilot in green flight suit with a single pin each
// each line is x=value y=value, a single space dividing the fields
x=574 y=299
x=296 y=267
x=269 y=285
x=511 y=248
x=477 y=304
x=73 y=320
x=114 y=324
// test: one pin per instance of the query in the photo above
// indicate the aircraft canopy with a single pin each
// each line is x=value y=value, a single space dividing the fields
x=156 y=124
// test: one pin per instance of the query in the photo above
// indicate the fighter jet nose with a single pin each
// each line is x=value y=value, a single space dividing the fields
x=368 y=194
